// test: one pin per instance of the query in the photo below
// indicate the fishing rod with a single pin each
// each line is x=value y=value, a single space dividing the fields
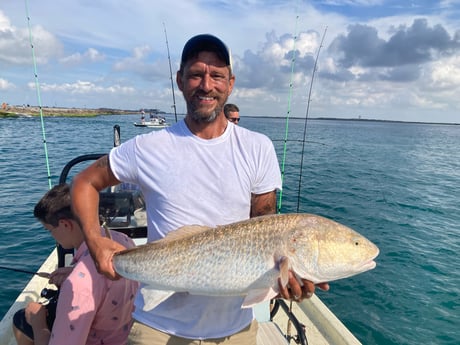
x=40 y=274
x=170 y=73
x=283 y=163
x=37 y=87
x=292 y=319
x=306 y=118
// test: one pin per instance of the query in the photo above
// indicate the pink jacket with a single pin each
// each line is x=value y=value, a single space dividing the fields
x=93 y=309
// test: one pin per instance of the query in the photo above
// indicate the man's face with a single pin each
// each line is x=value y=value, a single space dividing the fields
x=206 y=84
x=234 y=116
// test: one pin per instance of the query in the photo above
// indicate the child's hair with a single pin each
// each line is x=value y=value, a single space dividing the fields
x=54 y=205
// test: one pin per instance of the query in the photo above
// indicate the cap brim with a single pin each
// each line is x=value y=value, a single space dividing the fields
x=205 y=42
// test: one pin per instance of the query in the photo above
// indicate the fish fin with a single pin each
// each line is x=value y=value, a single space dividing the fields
x=153 y=297
x=184 y=232
x=257 y=296
x=283 y=266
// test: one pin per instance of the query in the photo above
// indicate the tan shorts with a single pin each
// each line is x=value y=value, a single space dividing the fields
x=143 y=335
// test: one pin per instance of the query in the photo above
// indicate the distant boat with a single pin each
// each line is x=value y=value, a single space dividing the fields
x=155 y=122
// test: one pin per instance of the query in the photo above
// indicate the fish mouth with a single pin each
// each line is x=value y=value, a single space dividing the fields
x=371 y=264
x=368 y=265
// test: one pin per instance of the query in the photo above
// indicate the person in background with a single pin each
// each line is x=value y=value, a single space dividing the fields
x=186 y=173
x=232 y=113
x=91 y=309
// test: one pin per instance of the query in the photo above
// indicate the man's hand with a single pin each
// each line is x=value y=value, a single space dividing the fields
x=102 y=250
x=294 y=291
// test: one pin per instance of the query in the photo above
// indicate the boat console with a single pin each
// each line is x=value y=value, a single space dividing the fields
x=121 y=207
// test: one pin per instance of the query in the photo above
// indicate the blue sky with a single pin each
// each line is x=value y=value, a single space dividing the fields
x=381 y=59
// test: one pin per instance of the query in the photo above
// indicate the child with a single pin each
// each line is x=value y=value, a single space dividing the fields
x=91 y=308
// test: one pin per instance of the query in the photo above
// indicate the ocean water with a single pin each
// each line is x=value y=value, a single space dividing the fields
x=398 y=184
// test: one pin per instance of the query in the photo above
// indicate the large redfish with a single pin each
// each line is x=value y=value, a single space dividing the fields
x=246 y=258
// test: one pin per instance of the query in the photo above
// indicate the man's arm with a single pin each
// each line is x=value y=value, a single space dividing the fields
x=262 y=204
x=85 y=205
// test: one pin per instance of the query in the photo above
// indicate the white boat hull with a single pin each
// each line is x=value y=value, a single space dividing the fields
x=31 y=293
x=154 y=124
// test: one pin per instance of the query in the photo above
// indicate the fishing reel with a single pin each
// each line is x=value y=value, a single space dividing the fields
x=50 y=294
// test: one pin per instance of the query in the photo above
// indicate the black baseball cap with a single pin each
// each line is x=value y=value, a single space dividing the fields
x=205 y=42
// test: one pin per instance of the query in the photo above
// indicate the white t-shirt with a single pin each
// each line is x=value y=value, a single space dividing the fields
x=187 y=180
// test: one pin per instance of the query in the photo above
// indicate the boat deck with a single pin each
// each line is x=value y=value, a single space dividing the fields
x=270 y=334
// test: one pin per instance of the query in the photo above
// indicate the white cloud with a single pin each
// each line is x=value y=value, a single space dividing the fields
x=84 y=87
x=91 y=55
x=16 y=47
x=6 y=85
x=138 y=58
x=445 y=74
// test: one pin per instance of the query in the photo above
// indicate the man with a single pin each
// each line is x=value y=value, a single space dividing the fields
x=187 y=172
x=91 y=309
x=232 y=113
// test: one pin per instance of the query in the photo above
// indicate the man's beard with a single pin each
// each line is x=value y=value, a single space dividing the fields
x=204 y=117
x=198 y=116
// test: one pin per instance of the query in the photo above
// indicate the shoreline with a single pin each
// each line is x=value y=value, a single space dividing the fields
x=31 y=111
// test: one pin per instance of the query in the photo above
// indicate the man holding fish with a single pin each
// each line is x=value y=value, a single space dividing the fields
x=204 y=170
